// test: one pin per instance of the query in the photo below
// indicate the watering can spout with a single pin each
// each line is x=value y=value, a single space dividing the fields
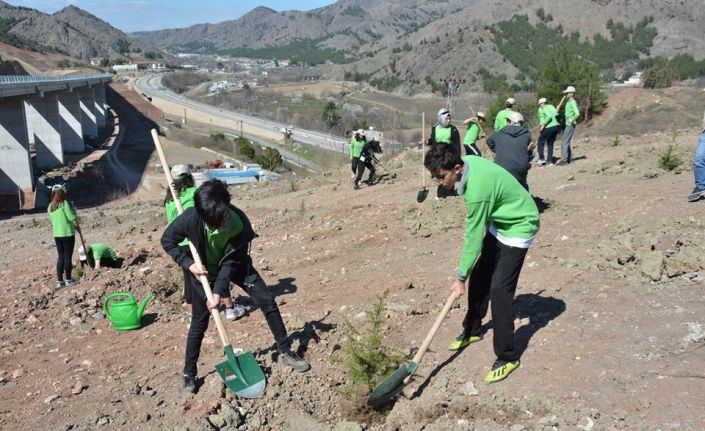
x=143 y=304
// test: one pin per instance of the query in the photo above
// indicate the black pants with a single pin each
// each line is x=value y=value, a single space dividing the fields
x=495 y=279
x=353 y=164
x=64 y=246
x=188 y=280
x=361 y=170
x=250 y=281
x=472 y=150
x=548 y=138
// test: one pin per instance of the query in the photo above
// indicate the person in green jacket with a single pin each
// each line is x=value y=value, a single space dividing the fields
x=99 y=255
x=473 y=134
x=548 y=128
x=502 y=222
x=502 y=117
x=572 y=113
x=444 y=134
x=63 y=226
x=356 y=143
x=185 y=187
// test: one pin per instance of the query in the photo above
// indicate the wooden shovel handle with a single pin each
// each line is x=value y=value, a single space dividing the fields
x=423 y=149
x=196 y=258
x=434 y=329
x=78 y=225
x=472 y=111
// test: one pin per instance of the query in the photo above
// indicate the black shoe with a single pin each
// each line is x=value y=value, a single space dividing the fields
x=357 y=186
x=189 y=386
x=291 y=359
x=696 y=195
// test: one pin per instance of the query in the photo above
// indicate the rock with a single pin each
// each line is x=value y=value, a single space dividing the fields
x=17 y=373
x=229 y=414
x=78 y=388
x=347 y=426
x=217 y=420
x=696 y=333
x=87 y=363
x=51 y=398
x=31 y=319
x=470 y=390
x=550 y=421
x=517 y=427
x=652 y=265
x=295 y=323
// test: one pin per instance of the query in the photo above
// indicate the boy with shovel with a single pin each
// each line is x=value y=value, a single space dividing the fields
x=222 y=234
x=502 y=222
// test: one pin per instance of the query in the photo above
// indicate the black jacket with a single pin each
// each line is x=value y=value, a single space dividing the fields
x=190 y=225
x=510 y=146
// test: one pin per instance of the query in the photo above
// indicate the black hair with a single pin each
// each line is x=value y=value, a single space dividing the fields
x=442 y=157
x=212 y=202
x=180 y=184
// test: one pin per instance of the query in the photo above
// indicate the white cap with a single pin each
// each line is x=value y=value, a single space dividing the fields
x=511 y=101
x=57 y=187
x=81 y=254
x=443 y=111
x=360 y=132
x=480 y=114
x=542 y=100
x=569 y=89
x=179 y=170
x=516 y=117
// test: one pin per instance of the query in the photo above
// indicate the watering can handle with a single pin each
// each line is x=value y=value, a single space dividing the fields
x=113 y=295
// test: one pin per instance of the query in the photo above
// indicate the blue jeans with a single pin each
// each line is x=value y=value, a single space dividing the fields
x=699 y=163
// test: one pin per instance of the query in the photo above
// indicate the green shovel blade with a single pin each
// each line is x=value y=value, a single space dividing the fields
x=421 y=195
x=242 y=374
x=392 y=385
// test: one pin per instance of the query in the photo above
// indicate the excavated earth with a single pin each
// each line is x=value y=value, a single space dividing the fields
x=609 y=309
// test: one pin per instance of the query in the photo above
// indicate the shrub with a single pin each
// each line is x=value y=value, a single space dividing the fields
x=270 y=159
x=660 y=75
x=367 y=360
x=668 y=159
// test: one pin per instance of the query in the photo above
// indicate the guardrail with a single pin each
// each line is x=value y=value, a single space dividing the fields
x=24 y=79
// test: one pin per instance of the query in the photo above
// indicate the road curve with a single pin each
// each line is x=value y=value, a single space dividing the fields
x=151 y=86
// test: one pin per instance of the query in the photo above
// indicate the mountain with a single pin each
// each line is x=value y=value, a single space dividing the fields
x=70 y=30
x=413 y=39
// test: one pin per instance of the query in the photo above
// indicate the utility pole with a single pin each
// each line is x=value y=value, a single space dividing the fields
x=452 y=84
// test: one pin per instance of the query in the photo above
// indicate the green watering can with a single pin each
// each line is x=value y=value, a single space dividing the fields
x=125 y=314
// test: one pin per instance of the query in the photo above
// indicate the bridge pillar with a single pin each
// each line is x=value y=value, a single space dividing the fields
x=15 y=162
x=88 y=116
x=42 y=116
x=99 y=97
x=70 y=121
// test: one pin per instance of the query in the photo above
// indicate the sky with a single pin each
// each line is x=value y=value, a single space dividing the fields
x=135 y=15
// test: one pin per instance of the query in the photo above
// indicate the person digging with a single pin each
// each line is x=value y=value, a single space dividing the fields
x=367 y=155
x=98 y=255
x=502 y=222
x=222 y=234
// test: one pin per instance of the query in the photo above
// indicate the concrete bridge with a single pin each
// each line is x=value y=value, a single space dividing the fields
x=41 y=120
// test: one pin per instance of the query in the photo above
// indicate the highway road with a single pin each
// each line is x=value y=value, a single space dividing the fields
x=151 y=86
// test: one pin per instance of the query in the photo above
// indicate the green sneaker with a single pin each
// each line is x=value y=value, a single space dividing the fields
x=463 y=341
x=500 y=370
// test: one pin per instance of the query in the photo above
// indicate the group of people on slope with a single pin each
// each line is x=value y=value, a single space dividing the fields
x=64 y=225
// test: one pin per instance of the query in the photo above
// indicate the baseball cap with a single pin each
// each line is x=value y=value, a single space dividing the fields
x=179 y=170
x=516 y=117
x=480 y=115
x=511 y=101
x=542 y=100
x=569 y=89
x=57 y=187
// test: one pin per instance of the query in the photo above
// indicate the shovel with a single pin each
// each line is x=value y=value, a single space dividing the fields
x=393 y=384
x=78 y=228
x=423 y=193
x=240 y=373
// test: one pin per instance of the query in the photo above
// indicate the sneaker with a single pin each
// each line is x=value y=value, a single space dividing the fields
x=291 y=359
x=463 y=340
x=235 y=312
x=59 y=283
x=356 y=187
x=540 y=162
x=500 y=370
x=550 y=164
x=70 y=282
x=189 y=385
x=696 y=195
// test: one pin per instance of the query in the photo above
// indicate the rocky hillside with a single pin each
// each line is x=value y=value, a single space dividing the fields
x=412 y=39
x=71 y=30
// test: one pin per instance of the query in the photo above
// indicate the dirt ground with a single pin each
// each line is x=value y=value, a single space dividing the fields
x=609 y=309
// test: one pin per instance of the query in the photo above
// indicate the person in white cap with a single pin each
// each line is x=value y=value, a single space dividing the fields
x=184 y=185
x=444 y=133
x=510 y=146
x=500 y=120
x=549 y=128
x=572 y=113
x=473 y=134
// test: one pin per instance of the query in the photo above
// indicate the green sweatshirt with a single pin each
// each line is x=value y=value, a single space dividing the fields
x=101 y=250
x=472 y=134
x=62 y=220
x=217 y=240
x=186 y=197
x=501 y=119
x=547 y=116
x=496 y=202
x=571 y=111
x=356 y=147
